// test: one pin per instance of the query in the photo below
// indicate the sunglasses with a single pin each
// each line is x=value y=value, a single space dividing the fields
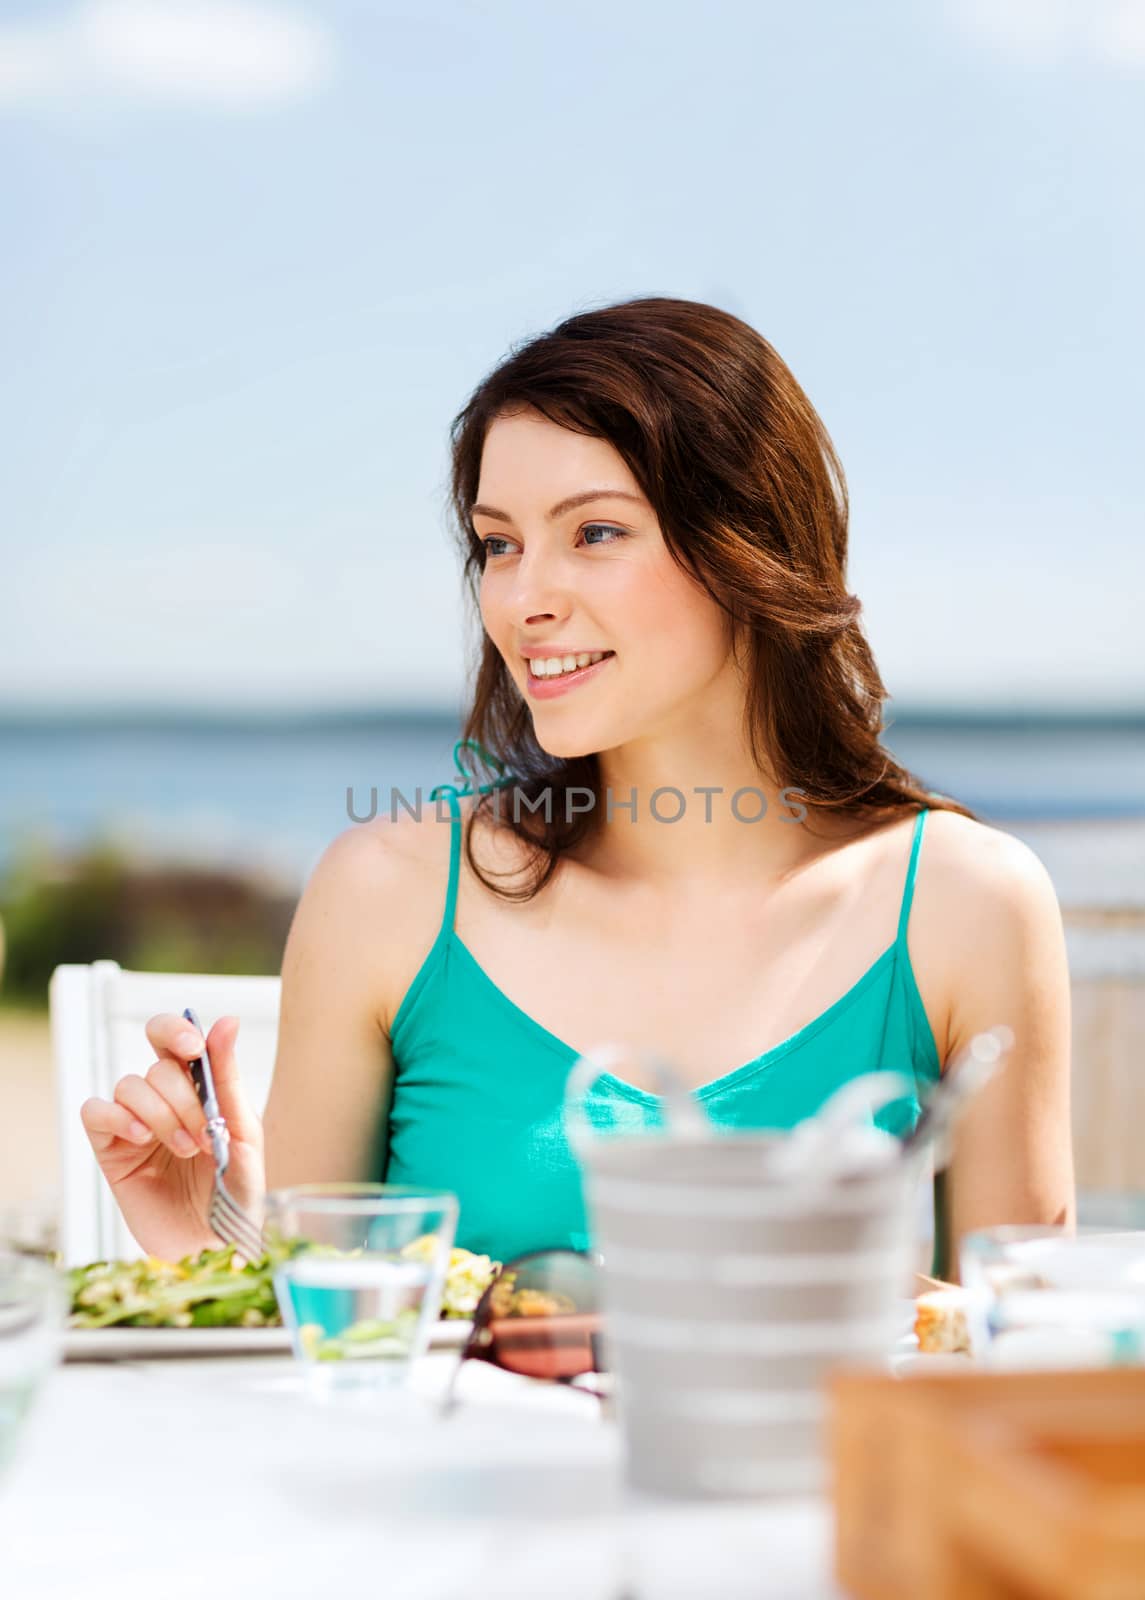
x=540 y=1318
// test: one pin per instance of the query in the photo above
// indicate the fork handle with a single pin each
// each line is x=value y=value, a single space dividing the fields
x=220 y=1143
x=202 y=1076
x=204 y=1080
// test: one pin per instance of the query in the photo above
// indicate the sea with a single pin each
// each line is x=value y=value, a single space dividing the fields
x=267 y=792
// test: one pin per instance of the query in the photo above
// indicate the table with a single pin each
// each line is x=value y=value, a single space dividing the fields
x=221 y=1477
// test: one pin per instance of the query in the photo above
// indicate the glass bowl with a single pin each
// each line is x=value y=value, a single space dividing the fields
x=1049 y=1297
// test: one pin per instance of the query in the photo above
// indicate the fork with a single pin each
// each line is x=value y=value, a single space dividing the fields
x=231 y=1221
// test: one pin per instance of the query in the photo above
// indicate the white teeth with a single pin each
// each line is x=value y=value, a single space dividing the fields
x=557 y=666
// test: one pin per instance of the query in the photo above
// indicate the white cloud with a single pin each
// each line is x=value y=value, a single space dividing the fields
x=1047 y=32
x=226 y=54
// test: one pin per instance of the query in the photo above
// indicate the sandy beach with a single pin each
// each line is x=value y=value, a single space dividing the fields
x=29 y=1171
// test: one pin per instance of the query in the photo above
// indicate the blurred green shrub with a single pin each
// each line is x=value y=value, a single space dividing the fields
x=151 y=917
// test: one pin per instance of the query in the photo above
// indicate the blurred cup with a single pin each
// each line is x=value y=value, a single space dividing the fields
x=33 y=1305
x=729 y=1287
x=1043 y=1296
x=32 y=1227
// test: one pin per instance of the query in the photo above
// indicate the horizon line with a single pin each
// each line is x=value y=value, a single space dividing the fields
x=919 y=713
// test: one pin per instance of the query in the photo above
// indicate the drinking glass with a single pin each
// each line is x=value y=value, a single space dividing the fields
x=359 y=1274
x=33 y=1305
x=1047 y=1297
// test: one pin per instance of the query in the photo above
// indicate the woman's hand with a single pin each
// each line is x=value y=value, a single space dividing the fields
x=152 y=1144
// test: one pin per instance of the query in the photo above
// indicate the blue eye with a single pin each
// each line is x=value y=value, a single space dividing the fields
x=590 y=527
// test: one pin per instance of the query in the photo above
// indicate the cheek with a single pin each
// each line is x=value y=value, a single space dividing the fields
x=491 y=612
x=667 y=608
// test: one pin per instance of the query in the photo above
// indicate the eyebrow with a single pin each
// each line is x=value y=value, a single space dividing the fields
x=569 y=504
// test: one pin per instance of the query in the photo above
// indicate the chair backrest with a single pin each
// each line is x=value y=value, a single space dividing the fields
x=98 y=1015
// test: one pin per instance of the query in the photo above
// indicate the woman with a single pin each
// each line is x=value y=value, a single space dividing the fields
x=645 y=496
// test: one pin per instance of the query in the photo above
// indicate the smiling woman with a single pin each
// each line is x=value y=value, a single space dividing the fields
x=653 y=528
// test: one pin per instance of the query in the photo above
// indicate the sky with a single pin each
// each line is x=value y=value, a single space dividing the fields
x=256 y=255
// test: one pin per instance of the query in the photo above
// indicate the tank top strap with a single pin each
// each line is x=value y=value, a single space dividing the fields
x=451 y=795
x=911 y=873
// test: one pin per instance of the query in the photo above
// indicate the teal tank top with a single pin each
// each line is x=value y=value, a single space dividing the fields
x=478 y=1088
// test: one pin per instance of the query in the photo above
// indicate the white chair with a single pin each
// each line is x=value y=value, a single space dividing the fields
x=98 y=1015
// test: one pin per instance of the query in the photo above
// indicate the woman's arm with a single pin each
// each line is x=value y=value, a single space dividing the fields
x=353 y=937
x=994 y=929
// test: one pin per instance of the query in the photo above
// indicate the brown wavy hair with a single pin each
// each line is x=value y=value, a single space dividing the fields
x=752 y=502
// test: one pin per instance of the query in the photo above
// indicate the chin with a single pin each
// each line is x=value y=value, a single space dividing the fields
x=566 y=746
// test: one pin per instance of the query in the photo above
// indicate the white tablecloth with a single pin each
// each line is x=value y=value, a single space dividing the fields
x=216 y=1478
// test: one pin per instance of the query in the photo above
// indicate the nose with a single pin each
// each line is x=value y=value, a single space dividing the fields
x=540 y=590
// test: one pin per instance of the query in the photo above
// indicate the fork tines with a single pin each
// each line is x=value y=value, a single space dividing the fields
x=233 y=1224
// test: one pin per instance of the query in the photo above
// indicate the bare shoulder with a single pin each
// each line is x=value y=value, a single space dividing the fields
x=980 y=869
x=377 y=896
x=982 y=895
x=985 y=926
x=367 y=858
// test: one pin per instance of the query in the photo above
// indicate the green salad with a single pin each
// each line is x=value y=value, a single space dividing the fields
x=216 y=1289
x=368 y=1340
x=210 y=1290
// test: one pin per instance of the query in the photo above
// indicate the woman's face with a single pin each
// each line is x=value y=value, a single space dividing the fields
x=575 y=563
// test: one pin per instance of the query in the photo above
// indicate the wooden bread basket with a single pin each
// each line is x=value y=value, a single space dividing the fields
x=989 y=1485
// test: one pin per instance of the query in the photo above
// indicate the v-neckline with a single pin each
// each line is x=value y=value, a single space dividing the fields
x=714 y=1086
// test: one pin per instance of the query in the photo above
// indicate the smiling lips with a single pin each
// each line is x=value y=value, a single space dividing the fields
x=549 y=683
x=556 y=666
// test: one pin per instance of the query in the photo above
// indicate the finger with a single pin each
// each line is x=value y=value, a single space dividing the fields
x=233 y=1102
x=145 y=1102
x=172 y=1081
x=104 y=1121
x=170 y=1035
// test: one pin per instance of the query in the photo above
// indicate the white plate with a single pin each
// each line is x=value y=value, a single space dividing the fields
x=907 y=1357
x=931 y=1361
x=138 y=1344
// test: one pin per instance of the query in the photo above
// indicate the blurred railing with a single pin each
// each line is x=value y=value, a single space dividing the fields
x=1107 y=967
